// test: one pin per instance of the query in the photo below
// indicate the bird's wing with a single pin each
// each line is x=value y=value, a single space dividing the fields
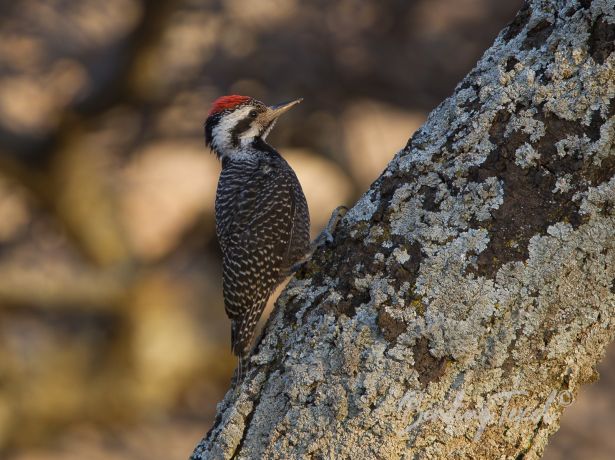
x=254 y=238
x=235 y=198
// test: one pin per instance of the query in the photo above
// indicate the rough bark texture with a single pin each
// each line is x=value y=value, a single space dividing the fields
x=470 y=292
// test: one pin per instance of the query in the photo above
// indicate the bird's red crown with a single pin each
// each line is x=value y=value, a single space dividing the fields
x=227 y=102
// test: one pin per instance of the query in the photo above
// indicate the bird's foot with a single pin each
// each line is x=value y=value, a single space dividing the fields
x=326 y=236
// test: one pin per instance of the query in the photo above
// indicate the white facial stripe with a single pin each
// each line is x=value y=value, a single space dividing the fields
x=248 y=135
x=222 y=140
x=221 y=134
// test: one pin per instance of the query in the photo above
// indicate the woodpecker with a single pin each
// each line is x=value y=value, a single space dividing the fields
x=262 y=217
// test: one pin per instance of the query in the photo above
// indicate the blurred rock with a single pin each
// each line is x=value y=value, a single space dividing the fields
x=325 y=184
x=81 y=193
x=171 y=439
x=439 y=18
x=184 y=115
x=59 y=284
x=6 y=418
x=186 y=44
x=167 y=346
x=116 y=131
x=262 y=14
x=52 y=92
x=373 y=133
x=167 y=186
x=51 y=54
x=46 y=375
x=14 y=212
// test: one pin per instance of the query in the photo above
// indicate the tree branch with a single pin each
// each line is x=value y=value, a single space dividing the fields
x=470 y=292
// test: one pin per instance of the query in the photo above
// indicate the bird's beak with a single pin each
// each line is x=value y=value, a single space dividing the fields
x=276 y=110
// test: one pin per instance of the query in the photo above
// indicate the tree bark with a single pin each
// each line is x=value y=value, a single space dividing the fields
x=471 y=291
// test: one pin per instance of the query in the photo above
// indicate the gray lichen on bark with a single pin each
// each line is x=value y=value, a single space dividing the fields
x=471 y=291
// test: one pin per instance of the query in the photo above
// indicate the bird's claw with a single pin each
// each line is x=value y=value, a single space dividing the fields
x=323 y=238
x=337 y=215
x=326 y=236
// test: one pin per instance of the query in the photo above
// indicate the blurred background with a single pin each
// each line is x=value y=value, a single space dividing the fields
x=113 y=339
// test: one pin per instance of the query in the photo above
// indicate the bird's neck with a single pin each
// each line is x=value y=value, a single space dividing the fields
x=256 y=150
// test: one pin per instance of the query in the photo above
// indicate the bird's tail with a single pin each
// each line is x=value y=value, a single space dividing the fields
x=242 y=333
x=242 y=367
x=240 y=345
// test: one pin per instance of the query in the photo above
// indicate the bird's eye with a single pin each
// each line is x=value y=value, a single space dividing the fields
x=253 y=113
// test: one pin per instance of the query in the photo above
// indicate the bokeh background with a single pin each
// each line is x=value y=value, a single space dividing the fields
x=113 y=339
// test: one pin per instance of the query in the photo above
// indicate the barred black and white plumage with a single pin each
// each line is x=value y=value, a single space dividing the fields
x=262 y=218
x=262 y=223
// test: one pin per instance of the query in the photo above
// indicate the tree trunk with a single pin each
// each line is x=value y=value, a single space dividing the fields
x=470 y=292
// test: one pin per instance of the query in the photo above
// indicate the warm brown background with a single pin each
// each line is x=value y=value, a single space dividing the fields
x=113 y=340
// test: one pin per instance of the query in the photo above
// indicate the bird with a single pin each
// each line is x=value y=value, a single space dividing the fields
x=261 y=213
